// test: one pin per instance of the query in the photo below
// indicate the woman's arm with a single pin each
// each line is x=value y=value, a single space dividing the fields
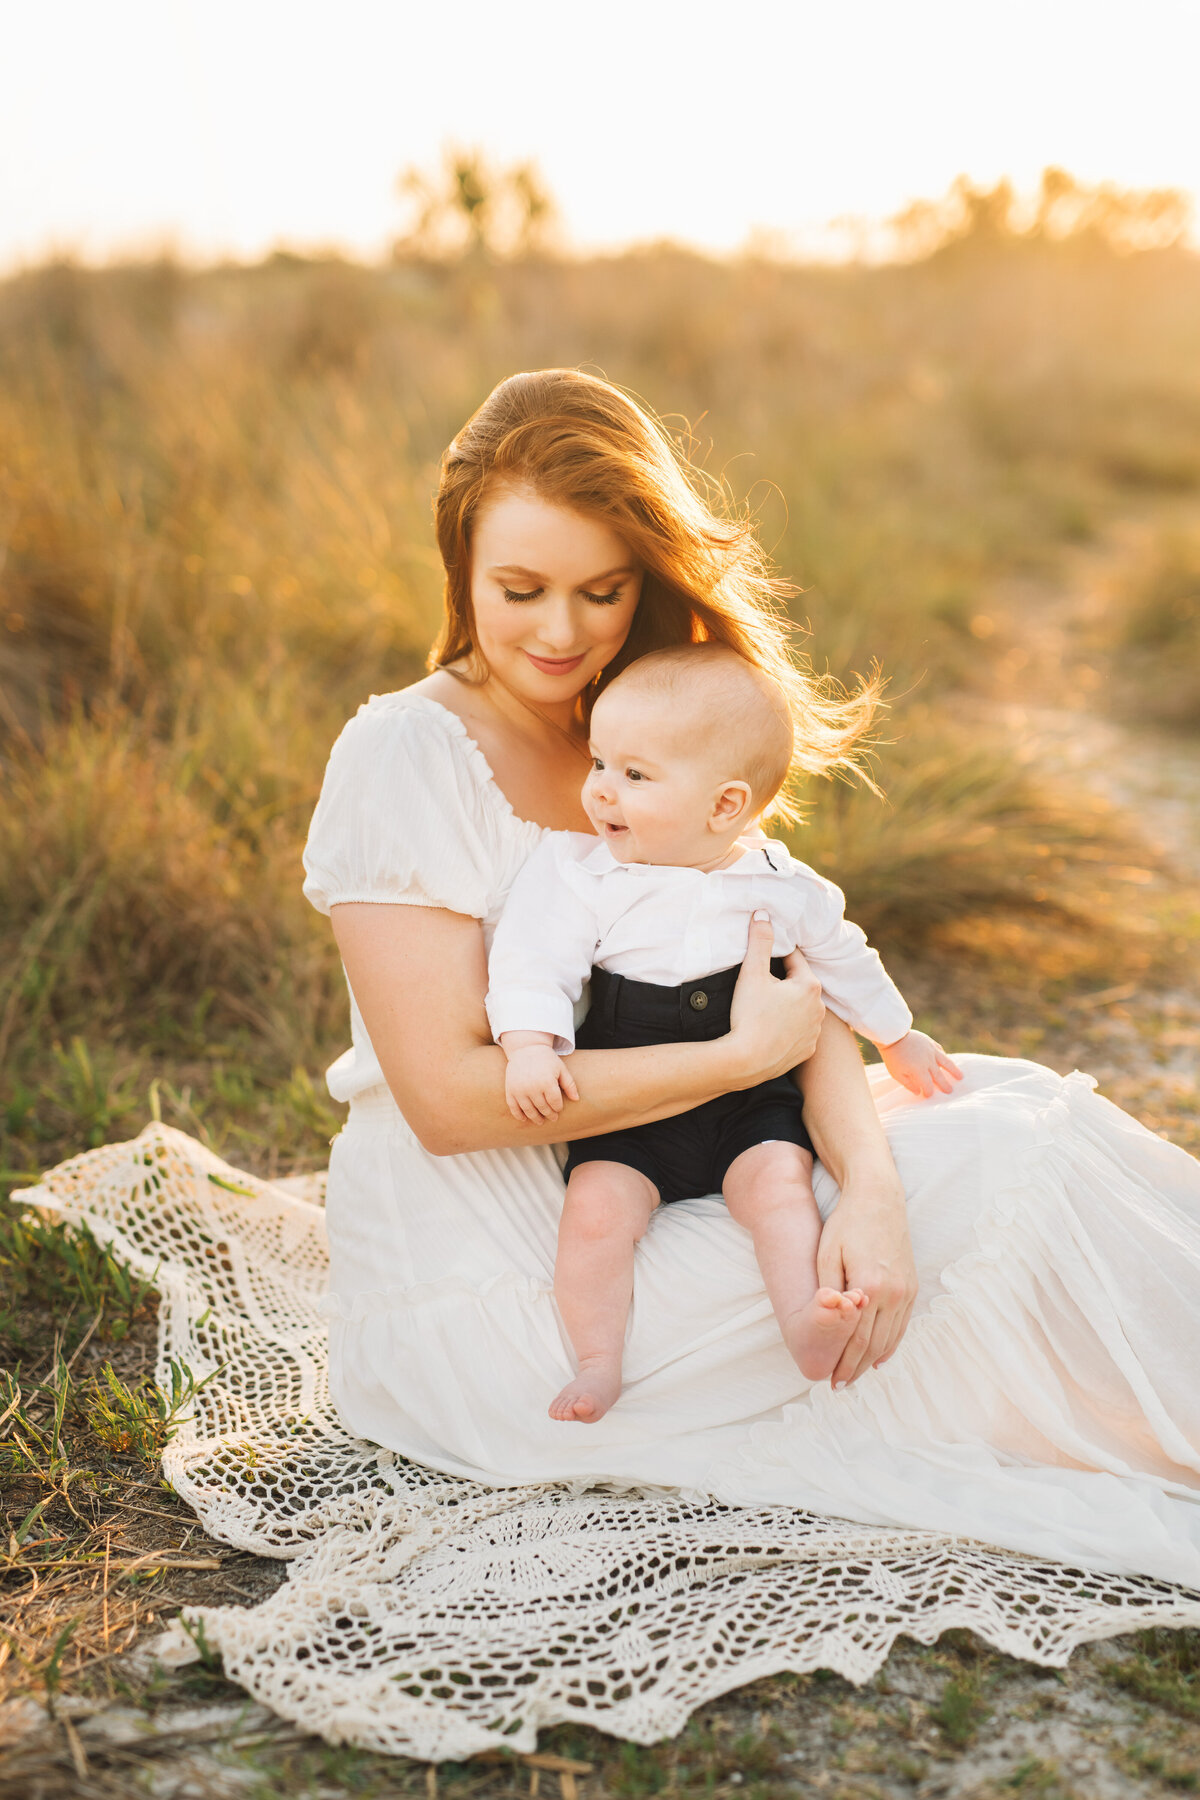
x=865 y=1242
x=419 y=975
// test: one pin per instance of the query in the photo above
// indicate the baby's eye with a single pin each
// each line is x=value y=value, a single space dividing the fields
x=511 y=594
x=634 y=775
x=596 y=763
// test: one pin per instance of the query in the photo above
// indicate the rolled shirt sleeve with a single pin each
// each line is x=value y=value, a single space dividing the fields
x=542 y=950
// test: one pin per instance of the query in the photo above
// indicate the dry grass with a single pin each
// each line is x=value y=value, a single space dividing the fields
x=95 y=1548
x=214 y=523
x=214 y=512
x=1157 y=624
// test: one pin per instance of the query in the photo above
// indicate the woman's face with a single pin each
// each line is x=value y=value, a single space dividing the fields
x=554 y=593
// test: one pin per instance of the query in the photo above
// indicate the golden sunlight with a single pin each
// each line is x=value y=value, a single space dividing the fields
x=224 y=128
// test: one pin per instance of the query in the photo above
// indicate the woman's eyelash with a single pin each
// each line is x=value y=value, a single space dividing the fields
x=536 y=594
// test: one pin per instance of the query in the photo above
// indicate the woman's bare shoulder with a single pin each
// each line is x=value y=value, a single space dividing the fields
x=439 y=686
x=444 y=690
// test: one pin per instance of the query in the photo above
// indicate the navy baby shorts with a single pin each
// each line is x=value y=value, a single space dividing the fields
x=690 y=1154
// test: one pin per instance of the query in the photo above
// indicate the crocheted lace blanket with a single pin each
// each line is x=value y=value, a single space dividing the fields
x=437 y=1617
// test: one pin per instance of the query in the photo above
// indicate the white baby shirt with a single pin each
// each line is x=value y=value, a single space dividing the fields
x=573 y=906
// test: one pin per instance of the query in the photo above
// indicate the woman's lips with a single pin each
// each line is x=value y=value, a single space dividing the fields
x=556 y=665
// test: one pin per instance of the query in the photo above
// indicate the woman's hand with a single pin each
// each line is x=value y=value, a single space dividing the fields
x=773 y=1025
x=865 y=1244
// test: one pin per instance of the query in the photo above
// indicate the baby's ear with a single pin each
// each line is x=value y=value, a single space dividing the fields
x=734 y=805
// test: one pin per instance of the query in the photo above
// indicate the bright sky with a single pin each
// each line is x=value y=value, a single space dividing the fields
x=235 y=125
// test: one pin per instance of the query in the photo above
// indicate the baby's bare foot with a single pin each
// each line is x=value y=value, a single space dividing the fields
x=817 y=1334
x=592 y=1392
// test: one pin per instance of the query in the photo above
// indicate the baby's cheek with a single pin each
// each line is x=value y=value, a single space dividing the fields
x=658 y=807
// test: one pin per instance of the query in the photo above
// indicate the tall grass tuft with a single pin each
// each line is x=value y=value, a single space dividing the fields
x=139 y=882
x=962 y=830
x=1158 y=624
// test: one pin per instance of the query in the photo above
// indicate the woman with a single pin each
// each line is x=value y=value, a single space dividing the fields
x=1045 y=1399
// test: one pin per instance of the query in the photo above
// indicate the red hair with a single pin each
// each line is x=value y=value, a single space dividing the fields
x=580 y=442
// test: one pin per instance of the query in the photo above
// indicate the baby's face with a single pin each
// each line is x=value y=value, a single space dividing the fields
x=654 y=785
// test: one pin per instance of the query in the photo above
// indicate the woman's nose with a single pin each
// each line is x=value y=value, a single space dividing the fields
x=556 y=626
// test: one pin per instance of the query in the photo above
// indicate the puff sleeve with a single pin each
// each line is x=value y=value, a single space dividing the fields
x=401 y=819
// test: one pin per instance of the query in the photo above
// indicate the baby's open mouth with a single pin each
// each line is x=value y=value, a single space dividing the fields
x=611 y=830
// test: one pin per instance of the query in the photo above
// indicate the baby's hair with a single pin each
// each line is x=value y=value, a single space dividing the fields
x=739 y=706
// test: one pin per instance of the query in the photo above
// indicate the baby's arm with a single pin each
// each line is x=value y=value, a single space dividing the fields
x=859 y=990
x=540 y=957
x=536 y=1078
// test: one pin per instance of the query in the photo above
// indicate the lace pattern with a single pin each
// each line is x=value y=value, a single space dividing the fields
x=437 y=1617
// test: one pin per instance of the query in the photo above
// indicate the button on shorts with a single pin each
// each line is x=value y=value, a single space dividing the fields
x=690 y=1154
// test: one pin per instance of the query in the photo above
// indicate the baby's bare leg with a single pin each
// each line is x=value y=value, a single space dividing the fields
x=606 y=1211
x=768 y=1189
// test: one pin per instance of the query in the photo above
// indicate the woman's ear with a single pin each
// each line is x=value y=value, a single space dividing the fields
x=734 y=805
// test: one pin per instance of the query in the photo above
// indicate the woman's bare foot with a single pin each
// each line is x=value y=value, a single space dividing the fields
x=592 y=1392
x=817 y=1334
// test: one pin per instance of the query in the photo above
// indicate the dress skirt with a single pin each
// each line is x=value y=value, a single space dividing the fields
x=1045 y=1399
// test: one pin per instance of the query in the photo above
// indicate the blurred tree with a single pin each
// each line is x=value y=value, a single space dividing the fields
x=1121 y=218
x=468 y=208
x=1063 y=211
x=987 y=213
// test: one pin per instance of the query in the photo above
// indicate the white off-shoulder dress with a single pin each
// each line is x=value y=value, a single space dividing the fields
x=1045 y=1399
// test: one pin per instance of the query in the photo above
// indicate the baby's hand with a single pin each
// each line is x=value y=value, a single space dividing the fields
x=535 y=1083
x=920 y=1064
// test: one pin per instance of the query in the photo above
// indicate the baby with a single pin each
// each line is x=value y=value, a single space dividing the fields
x=688 y=747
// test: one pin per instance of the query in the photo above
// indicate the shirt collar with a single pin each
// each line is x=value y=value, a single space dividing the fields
x=600 y=860
x=760 y=858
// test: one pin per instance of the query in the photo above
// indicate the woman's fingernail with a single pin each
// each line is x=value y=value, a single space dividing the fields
x=760 y=917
